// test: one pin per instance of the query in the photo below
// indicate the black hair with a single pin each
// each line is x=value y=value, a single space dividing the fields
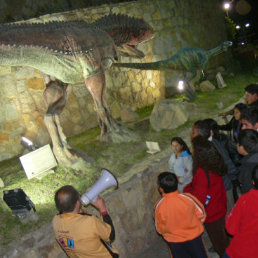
x=206 y=156
x=249 y=140
x=168 y=182
x=211 y=124
x=250 y=114
x=203 y=128
x=240 y=107
x=255 y=176
x=181 y=142
x=252 y=88
x=66 y=198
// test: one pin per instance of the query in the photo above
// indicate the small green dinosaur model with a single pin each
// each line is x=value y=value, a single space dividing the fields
x=188 y=59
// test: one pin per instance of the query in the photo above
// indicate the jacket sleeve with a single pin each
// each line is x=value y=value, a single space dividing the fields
x=199 y=208
x=102 y=229
x=199 y=186
x=188 y=164
x=234 y=217
x=159 y=220
x=228 y=126
x=109 y=221
x=171 y=163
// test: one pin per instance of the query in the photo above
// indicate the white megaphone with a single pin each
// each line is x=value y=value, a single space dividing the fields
x=105 y=181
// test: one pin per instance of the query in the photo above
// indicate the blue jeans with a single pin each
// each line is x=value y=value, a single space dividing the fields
x=192 y=248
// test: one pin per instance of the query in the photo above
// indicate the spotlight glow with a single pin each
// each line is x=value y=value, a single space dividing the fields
x=180 y=85
x=226 y=6
x=247 y=25
x=242 y=43
x=238 y=27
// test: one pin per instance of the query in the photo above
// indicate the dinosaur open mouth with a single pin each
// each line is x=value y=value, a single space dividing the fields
x=130 y=51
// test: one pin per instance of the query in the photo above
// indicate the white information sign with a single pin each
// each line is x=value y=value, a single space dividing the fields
x=153 y=147
x=38 y=162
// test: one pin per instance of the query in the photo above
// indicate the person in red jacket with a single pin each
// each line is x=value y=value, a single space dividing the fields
x=242 y=224
x=207 y=185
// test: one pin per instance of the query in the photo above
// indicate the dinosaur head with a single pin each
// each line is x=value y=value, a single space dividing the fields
x=226 y=44
x=127 y=32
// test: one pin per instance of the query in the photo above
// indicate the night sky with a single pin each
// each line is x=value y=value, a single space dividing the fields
x=242 y=12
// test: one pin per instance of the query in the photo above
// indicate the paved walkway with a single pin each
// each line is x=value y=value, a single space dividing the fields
x=160 y=250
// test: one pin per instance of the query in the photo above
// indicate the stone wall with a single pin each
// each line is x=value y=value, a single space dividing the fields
x=131 y=209
x=177 y=24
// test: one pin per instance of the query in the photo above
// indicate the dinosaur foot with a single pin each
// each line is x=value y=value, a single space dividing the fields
x=122 y=134
x=72 y=158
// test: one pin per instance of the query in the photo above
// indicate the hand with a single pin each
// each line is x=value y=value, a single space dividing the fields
x=222 y=114
x=100 y=205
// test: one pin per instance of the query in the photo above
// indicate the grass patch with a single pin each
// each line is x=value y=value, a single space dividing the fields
x=118 y=158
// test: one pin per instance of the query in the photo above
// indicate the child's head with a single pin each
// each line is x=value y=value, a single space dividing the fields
x=247 y=142
x=178 y=145
x=255 y=177
x=167 y=182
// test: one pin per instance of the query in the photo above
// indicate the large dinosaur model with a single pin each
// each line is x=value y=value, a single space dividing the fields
x=71 y=52
x=190 y=59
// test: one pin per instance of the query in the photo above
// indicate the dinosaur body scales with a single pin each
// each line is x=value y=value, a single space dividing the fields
x=72 y=52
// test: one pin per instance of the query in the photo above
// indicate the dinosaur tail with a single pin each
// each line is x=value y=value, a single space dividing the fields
x=159 y=65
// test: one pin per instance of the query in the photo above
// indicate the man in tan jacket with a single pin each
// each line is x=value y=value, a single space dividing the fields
x=81 y=234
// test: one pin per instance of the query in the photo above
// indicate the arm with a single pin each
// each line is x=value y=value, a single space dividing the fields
x=101 y=206
x=199 y=208
x=233 y=219
x=227 y=127
x=171 y=163
x=199 y=186
x=159 y=221
x=188 y=167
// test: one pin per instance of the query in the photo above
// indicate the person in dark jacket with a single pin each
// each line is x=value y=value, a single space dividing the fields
x=248 y=147
x=234 y=124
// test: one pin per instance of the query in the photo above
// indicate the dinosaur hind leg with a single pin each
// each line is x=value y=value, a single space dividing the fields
x=96 y=87
x=55 y=98
x=111 y=130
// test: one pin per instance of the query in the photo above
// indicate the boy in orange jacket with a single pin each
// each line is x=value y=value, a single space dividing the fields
x=179 y=218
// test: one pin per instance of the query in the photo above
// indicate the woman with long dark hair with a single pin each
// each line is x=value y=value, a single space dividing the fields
x=234 y=124
x=207 y=185
x=180 y=162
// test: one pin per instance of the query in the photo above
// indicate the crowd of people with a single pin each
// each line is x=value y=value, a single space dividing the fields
x=222 y=192
x=212 y=188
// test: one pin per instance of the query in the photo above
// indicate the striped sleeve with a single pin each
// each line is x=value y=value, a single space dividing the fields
x=199 y=208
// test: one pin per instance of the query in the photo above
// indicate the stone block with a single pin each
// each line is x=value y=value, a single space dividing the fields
x=207 y=86
x=36 y=83
x=168 y=114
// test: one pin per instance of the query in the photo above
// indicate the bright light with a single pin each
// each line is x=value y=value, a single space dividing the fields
x=242 y=43
x=27 y=141
x=226 y=6
x=247 y=24
x=180 y=85
x=238 y=27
